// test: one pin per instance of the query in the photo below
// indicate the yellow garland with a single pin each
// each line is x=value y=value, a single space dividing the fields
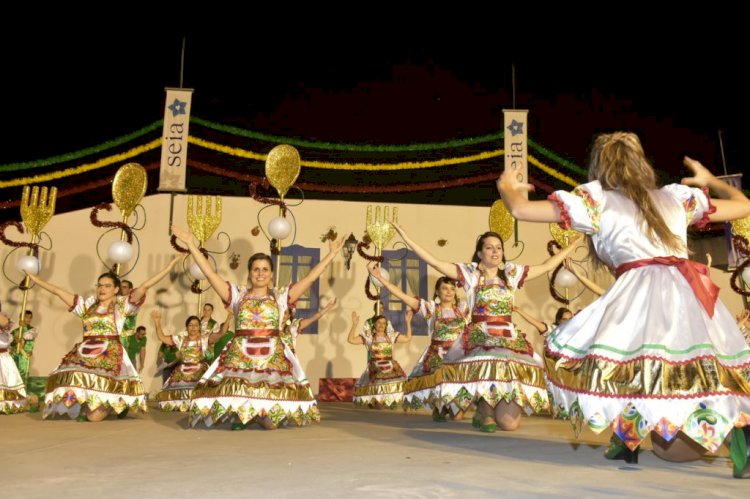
x=409 y=165
x=552 y=172
x=39 y=179
x=244 y=153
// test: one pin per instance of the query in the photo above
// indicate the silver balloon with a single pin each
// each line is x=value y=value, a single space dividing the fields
x=120 y=251
x=28 y=264
x=565 y=279
x=196 y=272
x=279 y=228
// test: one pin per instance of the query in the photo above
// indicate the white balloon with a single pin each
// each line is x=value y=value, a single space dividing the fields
x=384 y=273
x=565 y=279
x=120 y=251
x=196 y=272
x=279 y=228
x=29 y=264
x=746 y=275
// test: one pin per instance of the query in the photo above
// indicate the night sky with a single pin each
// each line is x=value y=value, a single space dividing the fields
x=63 y=91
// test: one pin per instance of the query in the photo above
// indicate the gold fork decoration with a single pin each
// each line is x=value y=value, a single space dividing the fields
x=37 y=208
x=203 y=220
x=379 y=229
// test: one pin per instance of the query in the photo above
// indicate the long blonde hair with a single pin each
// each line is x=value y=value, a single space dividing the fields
x=618 y=162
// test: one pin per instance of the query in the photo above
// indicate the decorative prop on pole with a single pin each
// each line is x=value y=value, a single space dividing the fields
x=561 y=277
x=128 y=188
x=37 y=208
x=203 y=219
x=380 y=230
x=282 y=170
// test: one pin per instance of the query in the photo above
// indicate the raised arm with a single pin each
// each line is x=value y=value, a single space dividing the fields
x=223 y=329
x=66 y=296
x=215 y=280
x=354 y=338
x=553 y=261
x=303 y=285
x=316 y=316
x=410 y=301
x=595 y=288
x=409 y=315
x=446 y=268
x=511 y=190
x=539 y=325
x=142 y=356
x=733 y=203
x=156 y=318
x=5 y=321
x=138 y=293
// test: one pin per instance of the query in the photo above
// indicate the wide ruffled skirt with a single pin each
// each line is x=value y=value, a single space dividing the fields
x=177 y=391
x=647 y=357
x=12 y=391
x=482 y=366
x=254 y=377
x=98 y=373
x=381 y=383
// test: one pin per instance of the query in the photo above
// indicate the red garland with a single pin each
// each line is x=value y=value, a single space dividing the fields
x=16 y=244
x=369 y=293
x=363 y=246
x=196 y=287
x=117 y=225
x=550 y=249
x=253 y=189
x=177 y=247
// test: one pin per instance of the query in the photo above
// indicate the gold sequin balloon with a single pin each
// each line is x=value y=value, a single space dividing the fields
x=501 y=221
x=282 y=168
x=562 y=236
x=129 y=187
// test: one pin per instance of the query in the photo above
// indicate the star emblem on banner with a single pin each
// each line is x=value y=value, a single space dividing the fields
x=515 y=128
x=177 y=107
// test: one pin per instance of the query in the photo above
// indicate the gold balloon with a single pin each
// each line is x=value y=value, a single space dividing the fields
x=501 y=221
x=128 y=187
x=36 y=209
x=282 y=168
x=202 y=222
x=562 y=236
x=380 y=229
x=741 y=227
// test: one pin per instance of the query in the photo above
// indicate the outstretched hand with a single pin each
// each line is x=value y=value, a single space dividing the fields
x=701 y=175
x=335 y=246
x=331 y=304
x=509 y=182
x=156 y=315
x=355 y=317
x=374 y=269
x=182 y=234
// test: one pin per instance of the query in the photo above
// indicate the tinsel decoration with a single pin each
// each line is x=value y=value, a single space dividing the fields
x=114 y=225
x=15 y=244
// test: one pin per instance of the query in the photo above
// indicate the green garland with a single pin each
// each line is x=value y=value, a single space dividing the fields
x=336 y=146
x=557 y=159
x=39 y=163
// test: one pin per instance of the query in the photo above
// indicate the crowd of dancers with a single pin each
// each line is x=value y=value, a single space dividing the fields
x=656 y=354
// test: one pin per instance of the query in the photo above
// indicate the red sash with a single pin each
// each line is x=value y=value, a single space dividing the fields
x=695 y=273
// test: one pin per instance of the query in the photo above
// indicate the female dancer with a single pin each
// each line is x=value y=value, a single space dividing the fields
x=12 y=390
x=446 y=319
x=97 y=376
x=193 y=350
x=493 y=365
x=382 y=382
x=657 y=352
x=258 y=377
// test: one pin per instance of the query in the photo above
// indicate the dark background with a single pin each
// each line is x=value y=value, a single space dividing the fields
x=66 y=89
